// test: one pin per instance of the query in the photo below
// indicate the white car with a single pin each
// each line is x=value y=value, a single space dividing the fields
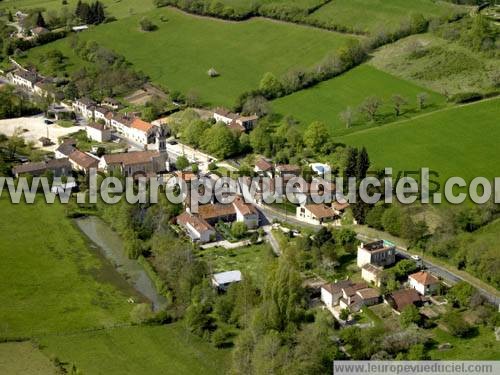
x=415 y=257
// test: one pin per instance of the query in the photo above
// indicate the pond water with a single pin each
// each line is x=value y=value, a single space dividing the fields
x=111 y=247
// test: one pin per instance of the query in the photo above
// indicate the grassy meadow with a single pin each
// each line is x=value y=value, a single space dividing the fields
x=373 y=15
x=48 y=275
x=116 y=8
x=459 y=141
x=249 y=259
x=437 y=64
x=169 y=350
x=182 y=50
x=325 y=101
x=24 y=358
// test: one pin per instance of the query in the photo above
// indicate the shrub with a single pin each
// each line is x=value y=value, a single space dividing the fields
x=466 y=97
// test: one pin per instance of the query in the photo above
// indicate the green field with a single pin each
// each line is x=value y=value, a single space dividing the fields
x=116 y=8
x=48 y=275
x=460 y=141
x=165 y=350
x=482 y=347
x=251 y=259
x=185 y=47
x=374 y=15
x=440 y=65
x=325 y=101
x=23 y=358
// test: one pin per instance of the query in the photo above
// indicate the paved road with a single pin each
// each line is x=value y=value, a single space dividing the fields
x=272 y=214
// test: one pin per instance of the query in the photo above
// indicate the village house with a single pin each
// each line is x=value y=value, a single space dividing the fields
x=263 y=167
x=372 y=274
x=196 y=227
x=223 y=280
x=399 y=299
x=379 y=253
x=287 y=171
x=339 y=208
x=58 y=167
x=98 y=132
x=235 y=120
x=246 y=213
x=65 y=148
x=215 y=212
x=424 y=283
x=83 y=162
x=349 y=295
x=103 y=115
x=317 y=214
x=111 y=103
x=85 y=107
x=24 y=78
x=130 y=164
x=134 y=128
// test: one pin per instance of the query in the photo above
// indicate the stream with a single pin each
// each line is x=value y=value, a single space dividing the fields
x=110 y=245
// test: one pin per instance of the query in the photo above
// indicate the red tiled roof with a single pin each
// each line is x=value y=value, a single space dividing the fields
x=288 y=168
x=143 y=126
x=320 y=211
x=214 y=211
x=195 y=221
x=263 y=165
x=424 y=278
x=83 y=160
x=131 y=158
x=404 y=297
x=244 y=208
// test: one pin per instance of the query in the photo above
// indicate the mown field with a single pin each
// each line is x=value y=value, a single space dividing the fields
x=24 y=358
x=249 y=259
x=182 y=50
x=56 y=291
x=325 y=101
x=48 y=275
x=116 y=8
x=460 y=141
x=168 y=350
x=374 y=15
x=437 y=64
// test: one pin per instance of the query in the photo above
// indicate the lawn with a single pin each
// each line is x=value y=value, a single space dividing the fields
x=24 y=358
x=459 y=141
x=165 y=350
x=182 y=50
x=252 y=259
x=116 y=8
x=481 y=347
x=374 y=15
x=324 y=102
x=49 y=275
x=439 y=65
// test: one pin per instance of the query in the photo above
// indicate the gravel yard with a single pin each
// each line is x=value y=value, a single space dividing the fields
x=36 y=128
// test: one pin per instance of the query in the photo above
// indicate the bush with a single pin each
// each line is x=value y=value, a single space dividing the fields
x=466 y=97
x=219 y=337
x=147 y=25
x=239 y=229
x=456 y=325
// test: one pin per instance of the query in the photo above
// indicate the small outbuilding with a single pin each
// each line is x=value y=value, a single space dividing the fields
x=223 y=280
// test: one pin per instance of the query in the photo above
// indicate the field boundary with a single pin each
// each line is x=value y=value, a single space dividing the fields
x=423 y=115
